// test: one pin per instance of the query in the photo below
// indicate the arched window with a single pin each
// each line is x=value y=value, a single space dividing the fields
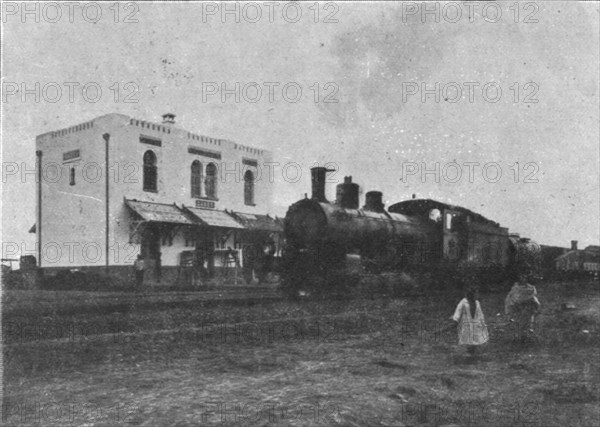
x=210 y=184
x=72 y=176
x=150 y=171
x=249 y=188
x=196 y=179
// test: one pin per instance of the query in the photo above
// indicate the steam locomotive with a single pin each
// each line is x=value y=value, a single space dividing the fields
x=418 y=241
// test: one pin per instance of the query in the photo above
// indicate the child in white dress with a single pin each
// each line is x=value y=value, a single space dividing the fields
x=472 y=330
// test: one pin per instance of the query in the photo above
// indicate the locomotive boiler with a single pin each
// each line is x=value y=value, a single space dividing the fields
x=333 y=244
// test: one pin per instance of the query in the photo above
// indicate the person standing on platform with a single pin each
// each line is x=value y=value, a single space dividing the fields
x=138 y=266
x=158 y=267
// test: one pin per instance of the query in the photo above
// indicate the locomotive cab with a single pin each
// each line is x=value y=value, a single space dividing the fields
x=465 y=236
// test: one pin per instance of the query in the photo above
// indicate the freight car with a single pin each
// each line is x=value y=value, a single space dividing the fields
x=336 y=245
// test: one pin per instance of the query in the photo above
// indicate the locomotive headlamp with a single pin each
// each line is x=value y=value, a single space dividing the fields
x=435 y=215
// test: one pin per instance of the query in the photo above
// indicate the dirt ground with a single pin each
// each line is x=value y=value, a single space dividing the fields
x=98 y=359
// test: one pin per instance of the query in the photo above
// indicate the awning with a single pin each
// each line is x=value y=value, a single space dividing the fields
x=213 y=218
x=158 y=212
x=255 y=222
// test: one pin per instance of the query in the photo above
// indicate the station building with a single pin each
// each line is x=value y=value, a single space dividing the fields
x=116 y=187
x=579 y=260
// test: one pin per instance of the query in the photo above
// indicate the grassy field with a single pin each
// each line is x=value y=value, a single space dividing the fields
x=74 y=358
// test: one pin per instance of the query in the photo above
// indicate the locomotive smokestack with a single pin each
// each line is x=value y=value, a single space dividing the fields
x=317 y=176
x=373 y=201
x=347 y=194
x=573 y=245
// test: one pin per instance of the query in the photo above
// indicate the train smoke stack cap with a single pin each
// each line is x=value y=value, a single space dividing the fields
x=373 y=201
x=318 y=175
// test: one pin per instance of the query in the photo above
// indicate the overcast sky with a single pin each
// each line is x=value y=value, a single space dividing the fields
x=374 y=61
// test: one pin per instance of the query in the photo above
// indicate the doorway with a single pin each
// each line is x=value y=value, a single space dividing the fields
x=151 y=251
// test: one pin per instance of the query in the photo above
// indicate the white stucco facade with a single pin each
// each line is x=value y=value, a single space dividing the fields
x=72 y=226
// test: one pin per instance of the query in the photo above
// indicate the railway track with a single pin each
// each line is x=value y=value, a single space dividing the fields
x=230 y=329
x=62 y=303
